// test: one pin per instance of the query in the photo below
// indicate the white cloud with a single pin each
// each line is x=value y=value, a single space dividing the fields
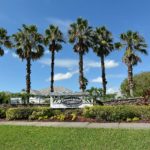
x=95 y=64
x=63 y=63
x=112 y=90
x=111 y=64
x=47 y=51
x=97 y=80
x=71 y=63
x=63 y=76
x=6 y=51
x=91 y=64
x=14 y=55
x=63 y=24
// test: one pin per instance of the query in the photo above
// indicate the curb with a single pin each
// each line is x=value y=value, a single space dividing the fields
x=79 y=124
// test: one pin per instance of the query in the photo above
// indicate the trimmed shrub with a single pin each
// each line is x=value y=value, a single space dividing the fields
x=25 y=112
x=41 y=114
x=100 y=113
x=144 y=112
x=18 y=113
x=2 y=113
x=57 y=112
x=117 y=113
x=135 y=119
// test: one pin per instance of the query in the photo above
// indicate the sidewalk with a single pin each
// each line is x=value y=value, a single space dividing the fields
x=79 y=124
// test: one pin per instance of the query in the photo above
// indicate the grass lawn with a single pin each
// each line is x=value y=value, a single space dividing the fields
x=49 y=138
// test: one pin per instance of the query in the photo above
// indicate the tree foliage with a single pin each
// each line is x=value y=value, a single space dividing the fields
x=141 y=84
x=28 y=43
x=4 y=98
x=4 y=41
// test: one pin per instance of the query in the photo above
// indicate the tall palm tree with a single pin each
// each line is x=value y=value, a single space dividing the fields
x=80 y=35
x=134 y=43
x=4 y=41
x=102 y=46
x=28 y=45
x=53 y=38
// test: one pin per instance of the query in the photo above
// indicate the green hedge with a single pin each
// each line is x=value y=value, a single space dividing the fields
x=117 y=113
x=2 y=113
x=41 y=113
x=100 y=113
x=27 y=113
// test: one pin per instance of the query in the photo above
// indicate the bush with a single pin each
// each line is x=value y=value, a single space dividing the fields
x=135 y=119
x=41 y=114
x=57 y=112
x=68 y=114
x=144 y=112
x=100 y=113
x=26 y=112
x=18 y=113
x=117 y=113
x=4 y=98
x=2 y=113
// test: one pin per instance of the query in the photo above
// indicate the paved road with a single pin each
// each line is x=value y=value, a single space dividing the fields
x=79 y=124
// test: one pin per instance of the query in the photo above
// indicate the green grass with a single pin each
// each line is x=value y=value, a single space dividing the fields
x=48 y=138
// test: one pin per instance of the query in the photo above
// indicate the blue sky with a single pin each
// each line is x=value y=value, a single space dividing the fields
x=118 y=16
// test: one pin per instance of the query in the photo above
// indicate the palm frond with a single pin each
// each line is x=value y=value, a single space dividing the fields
x=27 y=42
x=54 y=37
x=80 y=34
x=1 y=52
x=102 y=41
x=4 y=40
x=134 y=43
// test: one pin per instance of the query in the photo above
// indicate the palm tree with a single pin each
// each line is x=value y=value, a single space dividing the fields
x=28 y=45
x=102 y=46
x=4 y=41
x=80 y=35
x=134 y=44
x=53 y=38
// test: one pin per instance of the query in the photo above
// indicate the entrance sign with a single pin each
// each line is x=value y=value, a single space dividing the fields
x=70 y=100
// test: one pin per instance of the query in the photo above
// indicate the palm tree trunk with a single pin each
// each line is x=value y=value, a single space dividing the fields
x=52 y=70
x=28 y=82
x=104 y=82
x=81 y=82
x=130 y=79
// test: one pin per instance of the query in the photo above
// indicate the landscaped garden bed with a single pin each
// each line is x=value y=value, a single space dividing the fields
x=119 y=113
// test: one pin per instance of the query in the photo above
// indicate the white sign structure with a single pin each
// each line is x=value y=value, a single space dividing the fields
x=70 y=100
x=16 y=100
x=32 y=100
